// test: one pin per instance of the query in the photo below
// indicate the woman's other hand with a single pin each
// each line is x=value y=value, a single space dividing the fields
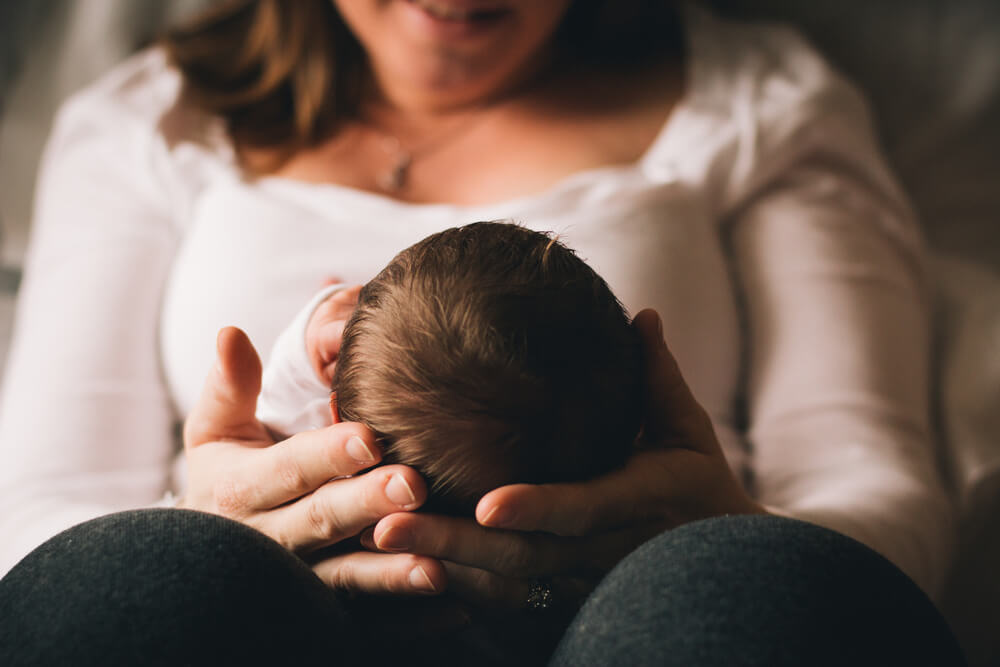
x=326 y=329
x=306 y=492
x=679 y=473
x=572 y=534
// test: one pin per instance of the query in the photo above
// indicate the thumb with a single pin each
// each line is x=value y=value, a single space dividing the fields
x=672 y=415
x=228 y=403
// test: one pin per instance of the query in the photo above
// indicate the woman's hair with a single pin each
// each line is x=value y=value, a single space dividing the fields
x=491 y=354
x=283 y=73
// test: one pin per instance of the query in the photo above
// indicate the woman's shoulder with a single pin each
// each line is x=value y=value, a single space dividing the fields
x=760 y=99
x=138 y=91
x=139 y=99
x=769 y=68
x=133 y=125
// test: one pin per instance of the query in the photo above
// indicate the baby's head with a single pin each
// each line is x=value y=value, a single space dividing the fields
x=490 y=354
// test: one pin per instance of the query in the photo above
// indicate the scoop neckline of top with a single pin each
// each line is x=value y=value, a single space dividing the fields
x=658 y=151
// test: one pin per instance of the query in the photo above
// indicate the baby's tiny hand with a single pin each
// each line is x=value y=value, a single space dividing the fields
x=325 y=329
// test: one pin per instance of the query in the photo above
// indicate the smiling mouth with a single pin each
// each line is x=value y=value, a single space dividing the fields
x=446 y=12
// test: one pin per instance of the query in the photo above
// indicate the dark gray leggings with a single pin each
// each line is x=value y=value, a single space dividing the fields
x=172 y=587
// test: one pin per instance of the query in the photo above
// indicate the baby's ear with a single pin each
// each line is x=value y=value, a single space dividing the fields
x=334 y=412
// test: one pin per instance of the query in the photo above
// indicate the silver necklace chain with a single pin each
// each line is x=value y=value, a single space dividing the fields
x=396 y=176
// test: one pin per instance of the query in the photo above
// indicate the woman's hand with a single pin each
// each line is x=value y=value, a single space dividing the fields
x=572 y=534
x=306 y=492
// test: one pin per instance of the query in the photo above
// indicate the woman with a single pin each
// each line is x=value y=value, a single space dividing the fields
x=719 y=173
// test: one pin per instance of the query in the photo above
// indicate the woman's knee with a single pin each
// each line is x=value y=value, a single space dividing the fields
x=164 y=587
x=756 y=591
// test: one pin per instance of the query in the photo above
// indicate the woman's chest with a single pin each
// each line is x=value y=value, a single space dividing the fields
x=517 y=147
x=253 y=256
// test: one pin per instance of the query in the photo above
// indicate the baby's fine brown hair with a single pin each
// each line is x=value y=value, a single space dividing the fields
x=491 y=354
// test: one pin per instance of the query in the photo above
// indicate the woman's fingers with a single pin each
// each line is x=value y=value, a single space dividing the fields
x=462 y=541
x=397 y=574
x=228 y=403
x=658 y=487
x=636 y=493
x=483 y=588
x=561 y=509
x=342 y=508
x=298 y=465
x=488 y=590
x=492 y=569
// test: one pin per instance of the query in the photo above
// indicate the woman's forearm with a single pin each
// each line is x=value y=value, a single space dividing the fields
x=839 y=360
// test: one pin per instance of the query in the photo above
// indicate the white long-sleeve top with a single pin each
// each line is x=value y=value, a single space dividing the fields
x=762 y=224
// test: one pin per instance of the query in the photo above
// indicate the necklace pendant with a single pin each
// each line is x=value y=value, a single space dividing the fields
x=394 y=179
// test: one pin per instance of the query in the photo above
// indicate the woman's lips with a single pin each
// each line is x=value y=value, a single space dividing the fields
x=458 y=19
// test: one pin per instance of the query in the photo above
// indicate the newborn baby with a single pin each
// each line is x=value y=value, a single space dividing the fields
x=483 y=355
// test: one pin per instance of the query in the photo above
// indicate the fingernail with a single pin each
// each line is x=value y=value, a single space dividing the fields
x=499 y=517
x=398 y=491
x=659 y=326
x=359 y=451
x=420 y=581
x=395 y=539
